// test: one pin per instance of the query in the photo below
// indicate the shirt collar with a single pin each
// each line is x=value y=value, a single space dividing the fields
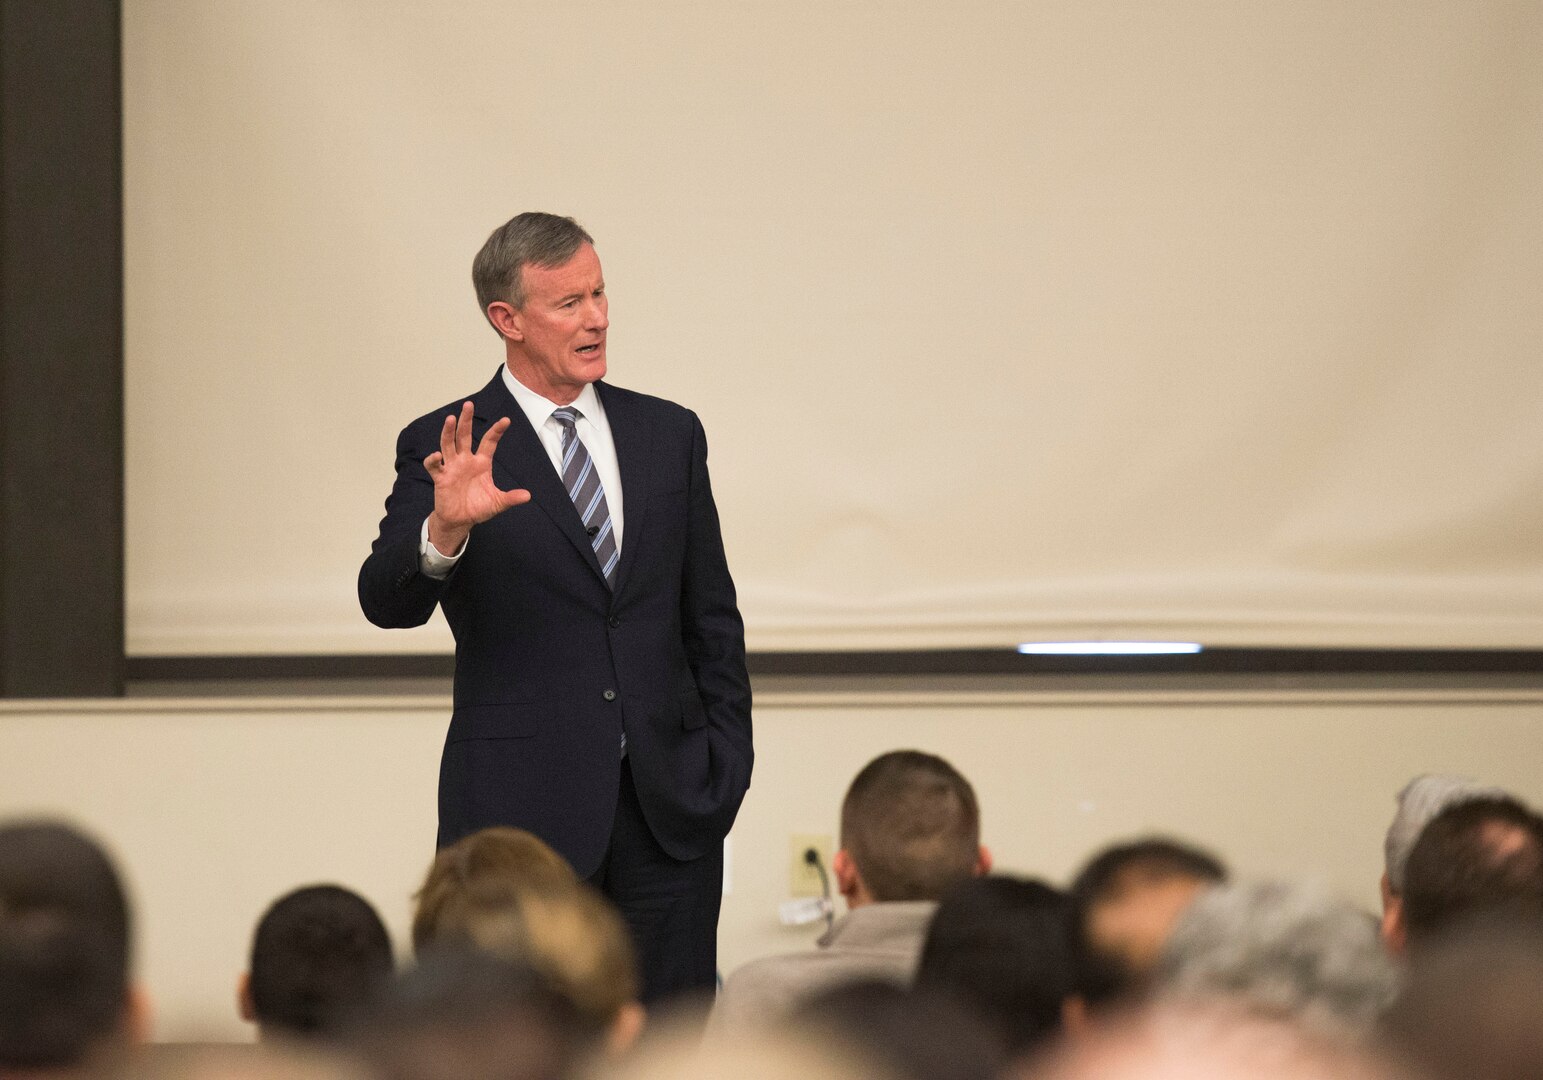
x=538 y=409
x=881 y=924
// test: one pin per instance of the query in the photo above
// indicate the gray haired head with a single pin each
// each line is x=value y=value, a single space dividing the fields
x=1284 y=950
x=1421 y=800
x=529 y=239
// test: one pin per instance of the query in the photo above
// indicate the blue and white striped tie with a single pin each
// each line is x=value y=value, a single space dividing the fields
x=584 y=488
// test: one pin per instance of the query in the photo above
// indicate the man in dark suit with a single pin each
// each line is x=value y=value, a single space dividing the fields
x=567 y=529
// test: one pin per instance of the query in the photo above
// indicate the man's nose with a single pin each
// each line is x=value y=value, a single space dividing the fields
x=598 y=318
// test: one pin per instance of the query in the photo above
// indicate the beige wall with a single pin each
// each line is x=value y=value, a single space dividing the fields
x=216 y=806
x=1222 y=314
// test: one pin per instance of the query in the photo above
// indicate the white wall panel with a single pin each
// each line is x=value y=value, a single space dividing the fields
x=215 y=807
x=1005 y=320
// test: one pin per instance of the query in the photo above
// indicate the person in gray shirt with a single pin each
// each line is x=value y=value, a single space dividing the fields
x=910 y=831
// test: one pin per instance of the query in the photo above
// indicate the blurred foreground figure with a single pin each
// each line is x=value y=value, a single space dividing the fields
x=319 y=955
x=759 y=1055
x=1206 y=1043
x=1126 y=900
x=1281 y=950
x=66 y=1003
x=464 y=1015
x=503 y=892
x=1002 y=947
x=1472 y=1004
x=917 y=1035
x=242 y=1061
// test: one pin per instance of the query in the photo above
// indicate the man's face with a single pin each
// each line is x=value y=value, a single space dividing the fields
x=557 y=340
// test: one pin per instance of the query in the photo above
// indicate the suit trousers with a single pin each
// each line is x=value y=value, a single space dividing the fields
x=669 y=905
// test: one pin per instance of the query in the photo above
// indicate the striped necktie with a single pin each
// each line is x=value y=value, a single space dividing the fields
x=584 y=488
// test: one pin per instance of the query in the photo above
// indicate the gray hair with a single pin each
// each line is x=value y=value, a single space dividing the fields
x=1418 y=803
x=541 y=239
x=1286 y=950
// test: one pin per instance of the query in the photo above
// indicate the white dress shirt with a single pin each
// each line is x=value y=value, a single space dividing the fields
x=594 y=431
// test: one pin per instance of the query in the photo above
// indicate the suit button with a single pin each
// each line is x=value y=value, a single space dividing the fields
x=615 y=622
x=609 y=695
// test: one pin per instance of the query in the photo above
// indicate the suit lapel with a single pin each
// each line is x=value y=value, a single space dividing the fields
x=634 y=447
x=521 y=461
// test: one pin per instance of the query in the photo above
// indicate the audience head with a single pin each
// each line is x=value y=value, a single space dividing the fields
x=910 y=830
x=64 y=950
x=1126 y=900
x=780 y=1054
x=1477 y=855
x=461 y=1014
x=1470 y=1003
x=482 y=873
x=1418 y=802
x=1281 y=950
x=318 y=955
x=269 y=1060
x=1190 y=1042
x=506 y=893
x=1002 y=946
x=914 y=1034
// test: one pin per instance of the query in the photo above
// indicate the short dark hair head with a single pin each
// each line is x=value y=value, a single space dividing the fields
x=911 y=824
x=1150 y=856
x=319 y=955
x=1108 y=876
x=545 y=240
x=462 y=1013
x=64 y=946
x=912 y=1034
x=1001 y=945
x=1478 y=856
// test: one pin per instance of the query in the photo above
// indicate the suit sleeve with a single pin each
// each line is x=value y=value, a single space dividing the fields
x=393 y=590
x=713 y=632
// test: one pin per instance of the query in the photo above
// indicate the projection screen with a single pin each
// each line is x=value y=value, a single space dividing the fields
x=1006 y=321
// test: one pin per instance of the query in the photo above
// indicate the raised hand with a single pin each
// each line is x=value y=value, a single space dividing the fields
x=464 y=491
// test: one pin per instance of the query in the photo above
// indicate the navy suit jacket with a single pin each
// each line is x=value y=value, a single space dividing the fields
x=551 y=665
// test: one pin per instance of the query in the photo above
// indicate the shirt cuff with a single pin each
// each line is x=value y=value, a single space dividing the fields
x=431 y=561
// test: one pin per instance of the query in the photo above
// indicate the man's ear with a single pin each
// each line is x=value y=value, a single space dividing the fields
x=244 y=1004
x=1394 y=934
x=507 y=320
x=983 y=862
x=625 y=1029
x=138 y=1016
x=845 y=869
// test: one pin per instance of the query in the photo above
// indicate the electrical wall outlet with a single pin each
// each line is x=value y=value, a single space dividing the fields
x=804 y=879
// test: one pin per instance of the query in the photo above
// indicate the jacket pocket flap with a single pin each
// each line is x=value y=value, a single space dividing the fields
x=506 y=720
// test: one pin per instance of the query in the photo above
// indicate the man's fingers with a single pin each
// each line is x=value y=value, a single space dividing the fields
x=489 y=441
x=434 y=462
x=463 y=430
x=446 y=440
x=514 y=497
